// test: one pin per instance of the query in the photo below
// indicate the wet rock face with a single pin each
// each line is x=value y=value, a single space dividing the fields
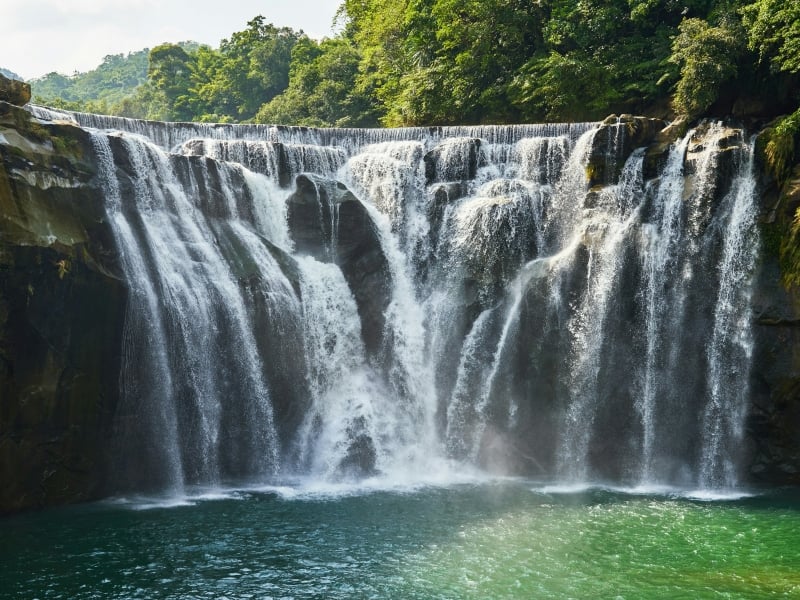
x=14 y=92
x=453 y=160
x=329 y=223
x=655 y=157
x=360 y=459
x=774 y=422
x=62 y=307
x=614 y=142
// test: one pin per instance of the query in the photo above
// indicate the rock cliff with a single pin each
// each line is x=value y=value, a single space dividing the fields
x=61 y=315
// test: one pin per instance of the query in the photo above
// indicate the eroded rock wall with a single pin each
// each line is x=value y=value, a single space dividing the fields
x=61 y=316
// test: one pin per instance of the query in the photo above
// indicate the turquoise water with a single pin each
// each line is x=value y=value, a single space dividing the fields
x=502 y=539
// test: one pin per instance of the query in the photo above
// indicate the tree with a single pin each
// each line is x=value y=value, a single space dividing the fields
x=706 y=56
x=379 y=29
x=254 y=68
x=483 y=44
x=170 y=74
x=564 y=87
x=322 y=90
x=773 y=30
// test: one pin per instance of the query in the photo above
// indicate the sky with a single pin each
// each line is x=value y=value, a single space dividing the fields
x=41 y=36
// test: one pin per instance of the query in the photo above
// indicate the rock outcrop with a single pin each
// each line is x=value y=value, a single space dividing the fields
x=774 y=422
x=457 y=159
x=614 y=142
x=14 y=92
x=61 y=316
x=329 y=223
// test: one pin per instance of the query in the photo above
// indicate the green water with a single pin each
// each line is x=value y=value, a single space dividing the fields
x=492 y=540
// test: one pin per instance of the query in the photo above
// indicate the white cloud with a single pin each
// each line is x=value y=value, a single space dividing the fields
x=41 y=36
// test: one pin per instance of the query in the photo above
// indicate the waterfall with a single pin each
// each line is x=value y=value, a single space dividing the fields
x=731 y=343
x=349 y=413
x=193 y=368
x=609 y=224
x=349 y=304
x=661 y=240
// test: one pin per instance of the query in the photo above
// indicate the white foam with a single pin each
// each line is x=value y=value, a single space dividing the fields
x=647 y=489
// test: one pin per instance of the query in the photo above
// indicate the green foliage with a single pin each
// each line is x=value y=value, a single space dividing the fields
x=415 y=62
x=146 y=102
x=564 y=86
x=469 y=61
x=118 y=86
x=773 y=28
x=169 y=75
x=706 y=56
x=790 y=255
x=116 y=77
x=789 y=249
x=322 y=91
x=252 y=68
x=779 y=151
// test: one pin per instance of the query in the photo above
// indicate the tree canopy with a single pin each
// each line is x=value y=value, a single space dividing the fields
x=426 y=62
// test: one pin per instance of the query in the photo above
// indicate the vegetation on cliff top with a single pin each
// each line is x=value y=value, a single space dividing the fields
x=422 y=62
x=415 y=62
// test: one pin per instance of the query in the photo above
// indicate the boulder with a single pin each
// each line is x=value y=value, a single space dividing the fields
x=14 y=92
x=329 y=223
x=456 y=159
x=614 y=142
x=655 y=157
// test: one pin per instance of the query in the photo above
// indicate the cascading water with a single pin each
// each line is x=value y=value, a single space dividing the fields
x=471 y=301
x=731 y=344
x=193 y=374
x=661 y=239
x=608 y=224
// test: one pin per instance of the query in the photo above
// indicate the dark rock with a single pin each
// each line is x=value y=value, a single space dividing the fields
x=62 y=305
x=440 y=196
x=310 y=215
x=655 y=156
x=614 y=142
x=14 y=92
x=360 y=459
x=773 y=426
x=751 y=107
x=455 y=159
x=329 y=223
x=276 y=329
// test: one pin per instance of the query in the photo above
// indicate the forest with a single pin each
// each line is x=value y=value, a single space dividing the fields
x=439 y=62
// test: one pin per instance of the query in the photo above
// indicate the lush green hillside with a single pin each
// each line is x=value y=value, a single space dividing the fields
x=107 y=89
x=415 y=62
x=116 y=77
